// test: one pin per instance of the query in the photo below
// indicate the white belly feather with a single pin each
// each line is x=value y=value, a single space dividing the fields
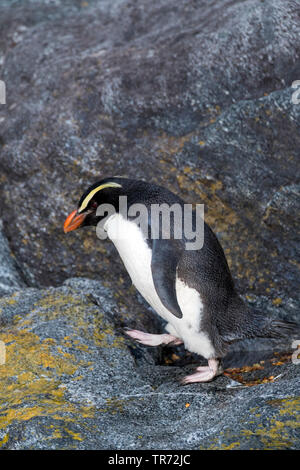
x=136 y=256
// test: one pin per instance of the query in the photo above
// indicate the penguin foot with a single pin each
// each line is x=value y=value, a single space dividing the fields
x=152 y=340
x=204 y=374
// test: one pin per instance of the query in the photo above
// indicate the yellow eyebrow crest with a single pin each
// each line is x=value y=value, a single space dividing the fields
x=91 y=194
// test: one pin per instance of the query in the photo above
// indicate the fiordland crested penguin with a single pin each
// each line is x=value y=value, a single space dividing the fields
x=192 y=289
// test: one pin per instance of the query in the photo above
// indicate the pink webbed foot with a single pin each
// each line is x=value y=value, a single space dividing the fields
x=152 y=340
x=204 y=374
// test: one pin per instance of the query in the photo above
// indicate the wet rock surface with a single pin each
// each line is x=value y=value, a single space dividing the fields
x=196 y=97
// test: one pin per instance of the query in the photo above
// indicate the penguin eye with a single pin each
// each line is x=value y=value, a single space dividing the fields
x=94 y=205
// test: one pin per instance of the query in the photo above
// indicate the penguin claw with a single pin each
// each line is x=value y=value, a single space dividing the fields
x=143 y=338
x=149 y=339
x=197 y=378
x=183 y=382
x=203 y=373
x=175 y=342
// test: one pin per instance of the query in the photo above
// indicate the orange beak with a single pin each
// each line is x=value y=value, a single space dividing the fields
x=73 y=221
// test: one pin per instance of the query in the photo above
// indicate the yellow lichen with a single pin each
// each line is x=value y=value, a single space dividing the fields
x=75 y=435
x=31 y=378
x=4 y=440
x=274 y=434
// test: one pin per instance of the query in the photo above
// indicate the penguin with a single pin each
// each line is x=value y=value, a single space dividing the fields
x=191 y=289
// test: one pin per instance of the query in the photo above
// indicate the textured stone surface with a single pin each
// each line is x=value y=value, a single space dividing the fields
x=196 y=97
x=72 y=380
x=11 y=277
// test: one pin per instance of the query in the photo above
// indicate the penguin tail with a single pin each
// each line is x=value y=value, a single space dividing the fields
x=262 y=327
x=281 y=329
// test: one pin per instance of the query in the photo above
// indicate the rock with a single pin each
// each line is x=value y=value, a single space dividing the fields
x=65 y=357
x=198 y=99
x=195 y=98
x=72 y=380
x=11 y=278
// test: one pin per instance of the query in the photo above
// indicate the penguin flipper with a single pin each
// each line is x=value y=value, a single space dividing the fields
x=165 y=258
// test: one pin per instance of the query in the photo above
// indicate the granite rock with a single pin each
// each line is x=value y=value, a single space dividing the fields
x=197 y=97
x=72 y=380
x=11 y=276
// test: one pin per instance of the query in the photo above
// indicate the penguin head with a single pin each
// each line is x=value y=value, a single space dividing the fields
x=105 y=191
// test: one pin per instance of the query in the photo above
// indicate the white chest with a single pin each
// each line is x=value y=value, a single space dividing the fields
x=136 y=256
